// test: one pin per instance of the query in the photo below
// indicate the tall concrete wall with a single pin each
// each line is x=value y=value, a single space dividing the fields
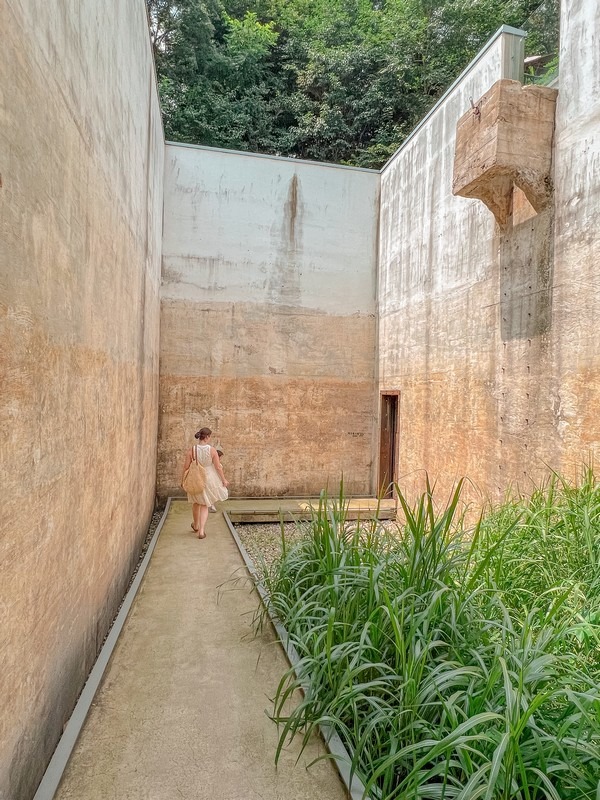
x=268 y=319
x=574 y=396
x=81 y=157
x=440 y=290
x=490 y=335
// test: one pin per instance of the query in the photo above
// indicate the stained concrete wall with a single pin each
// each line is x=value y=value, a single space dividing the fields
x=446 y=282
x=574 y=397
x=268 y=319
x=489 y=334
x=81 y=158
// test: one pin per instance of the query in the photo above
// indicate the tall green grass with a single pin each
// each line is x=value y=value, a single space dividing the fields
x=454 y=664
x=546 y=543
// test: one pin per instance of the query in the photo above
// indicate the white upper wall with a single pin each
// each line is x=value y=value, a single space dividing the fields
x=241 y=227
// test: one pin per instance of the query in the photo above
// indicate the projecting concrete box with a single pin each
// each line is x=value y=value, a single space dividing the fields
x=505 y=140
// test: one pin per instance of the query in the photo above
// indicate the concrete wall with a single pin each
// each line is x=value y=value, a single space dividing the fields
x=81 y=158
x=491 y=335
x=440 y=293
x=268 y=319
x=574 y=396
x=269 y=330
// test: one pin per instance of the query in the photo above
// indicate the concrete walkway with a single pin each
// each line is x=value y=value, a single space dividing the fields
x=181 y=710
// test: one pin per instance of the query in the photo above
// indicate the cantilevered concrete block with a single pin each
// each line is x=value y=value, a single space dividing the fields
x=505 y=140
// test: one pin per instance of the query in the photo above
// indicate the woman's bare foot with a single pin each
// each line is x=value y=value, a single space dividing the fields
x=201 y=535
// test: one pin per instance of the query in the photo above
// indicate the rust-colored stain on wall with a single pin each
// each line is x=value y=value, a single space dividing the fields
x=291 y=208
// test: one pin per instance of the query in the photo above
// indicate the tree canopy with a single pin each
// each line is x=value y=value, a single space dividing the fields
x=329 y=80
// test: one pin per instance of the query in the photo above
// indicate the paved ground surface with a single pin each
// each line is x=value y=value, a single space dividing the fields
x=181 y=711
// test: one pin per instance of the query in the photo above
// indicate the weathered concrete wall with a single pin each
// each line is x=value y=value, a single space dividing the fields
x=268 y=319
x=81 y=157
x=574 y=396
x=491 y=335
x=455 y=299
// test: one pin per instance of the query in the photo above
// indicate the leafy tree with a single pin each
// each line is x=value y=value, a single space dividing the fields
x=334 y=80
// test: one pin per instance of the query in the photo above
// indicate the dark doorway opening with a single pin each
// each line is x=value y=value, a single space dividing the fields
x=387 y=443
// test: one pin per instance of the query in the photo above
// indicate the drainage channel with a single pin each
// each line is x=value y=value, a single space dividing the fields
x=58 y=763
x=342 y=759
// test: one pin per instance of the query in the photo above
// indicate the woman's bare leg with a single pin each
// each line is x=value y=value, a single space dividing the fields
x=196 y=514
x=202 y=521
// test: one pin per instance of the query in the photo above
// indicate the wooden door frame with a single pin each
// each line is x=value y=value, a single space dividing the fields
x=394 y=454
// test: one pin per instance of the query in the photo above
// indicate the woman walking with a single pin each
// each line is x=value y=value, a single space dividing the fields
x=215 y=488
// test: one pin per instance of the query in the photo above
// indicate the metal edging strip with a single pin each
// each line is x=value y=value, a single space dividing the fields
x=55 y=769
x=342 y=759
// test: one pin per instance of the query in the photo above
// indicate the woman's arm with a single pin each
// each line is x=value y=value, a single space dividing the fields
x=217 y=464
x=188 y=461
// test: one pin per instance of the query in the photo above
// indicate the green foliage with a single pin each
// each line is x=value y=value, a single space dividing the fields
x=554 y=545
x=333 y=80
x=455 y=664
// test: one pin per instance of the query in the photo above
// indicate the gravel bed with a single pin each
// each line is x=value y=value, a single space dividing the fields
x=263 y=540
x=156 y=517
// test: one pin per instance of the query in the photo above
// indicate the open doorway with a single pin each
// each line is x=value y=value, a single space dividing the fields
x=387 y=442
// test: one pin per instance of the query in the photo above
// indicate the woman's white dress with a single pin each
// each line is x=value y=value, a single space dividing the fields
x=214 y=491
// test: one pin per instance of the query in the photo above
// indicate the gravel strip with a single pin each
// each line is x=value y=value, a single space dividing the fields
x=263 y=540
x=156 y=517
